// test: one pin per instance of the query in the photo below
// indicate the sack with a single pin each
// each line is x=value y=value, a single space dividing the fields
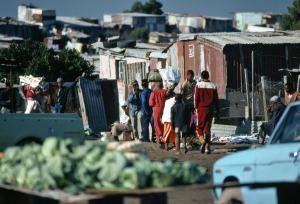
x=171 y=75
x=32 y=81
x=154 y=76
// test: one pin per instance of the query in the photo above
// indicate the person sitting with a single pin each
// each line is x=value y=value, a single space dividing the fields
x=275 y=110
x=124 y=124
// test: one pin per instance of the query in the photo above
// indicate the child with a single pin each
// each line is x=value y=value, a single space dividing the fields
x=169 y=134
x=180 y=114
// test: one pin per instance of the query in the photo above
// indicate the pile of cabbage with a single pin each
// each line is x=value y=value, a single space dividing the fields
x=72 y=167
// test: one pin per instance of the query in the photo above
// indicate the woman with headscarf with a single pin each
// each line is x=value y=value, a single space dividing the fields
x=157 y=102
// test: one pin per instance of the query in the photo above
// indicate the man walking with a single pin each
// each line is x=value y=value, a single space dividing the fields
x=188 y=93
x=146 y=111
x=188 y=88
x=206 y=102
x=134 y=108
x=157 y=102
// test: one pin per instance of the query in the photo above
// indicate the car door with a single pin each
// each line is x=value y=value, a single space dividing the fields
x=279 y=161
x=276 y=163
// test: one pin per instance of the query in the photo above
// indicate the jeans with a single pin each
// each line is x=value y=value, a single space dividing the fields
x=57 y=108
x=136 y=125
x=145 y=122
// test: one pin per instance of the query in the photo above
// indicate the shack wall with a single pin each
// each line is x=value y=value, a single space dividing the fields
x=199 y=56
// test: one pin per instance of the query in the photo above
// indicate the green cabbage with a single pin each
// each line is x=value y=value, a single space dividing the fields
x=73 y=167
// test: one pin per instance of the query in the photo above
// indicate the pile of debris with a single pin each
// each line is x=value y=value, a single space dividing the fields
x=237 y=139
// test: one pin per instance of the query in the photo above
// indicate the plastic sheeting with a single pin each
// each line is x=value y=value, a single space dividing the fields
x=32 y=81
x=238 y=139
x=170 y=75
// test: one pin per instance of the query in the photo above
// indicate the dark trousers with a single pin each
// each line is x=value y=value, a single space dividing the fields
x=145 y=121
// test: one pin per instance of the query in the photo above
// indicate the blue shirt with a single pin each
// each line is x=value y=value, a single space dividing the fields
x=133 y=102
x=145 y=95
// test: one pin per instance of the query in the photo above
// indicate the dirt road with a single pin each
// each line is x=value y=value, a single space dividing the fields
x=194 y=196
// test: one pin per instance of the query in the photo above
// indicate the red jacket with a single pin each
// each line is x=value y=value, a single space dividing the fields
x=206 y=95
x=157 y=100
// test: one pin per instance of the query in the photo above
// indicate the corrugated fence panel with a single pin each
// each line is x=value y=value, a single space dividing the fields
x=132 y=69
x=93 y=109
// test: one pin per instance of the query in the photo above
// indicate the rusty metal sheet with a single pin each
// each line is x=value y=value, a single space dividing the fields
x=110 y=95
x=92 y=105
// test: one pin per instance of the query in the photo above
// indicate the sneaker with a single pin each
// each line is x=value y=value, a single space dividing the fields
x=207 y=151
x=202 y=148
x=185 y=150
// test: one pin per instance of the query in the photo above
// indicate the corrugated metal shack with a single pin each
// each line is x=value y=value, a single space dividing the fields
x=225 y=55
x=127 y=64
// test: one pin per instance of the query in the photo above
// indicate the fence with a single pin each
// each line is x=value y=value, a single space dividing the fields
x=234 y=106
x=134 y=71
x=264 y=65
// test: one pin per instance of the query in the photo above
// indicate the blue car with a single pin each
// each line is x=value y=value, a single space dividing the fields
x=278 y=161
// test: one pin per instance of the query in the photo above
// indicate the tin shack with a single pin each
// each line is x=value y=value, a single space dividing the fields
x=227 y=55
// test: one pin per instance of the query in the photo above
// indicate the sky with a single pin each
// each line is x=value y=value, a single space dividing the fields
x=96 y=8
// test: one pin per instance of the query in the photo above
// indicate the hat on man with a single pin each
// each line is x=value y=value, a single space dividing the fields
x=124 y=103
x=134 y=82
x=275 y=99
x=59 y=80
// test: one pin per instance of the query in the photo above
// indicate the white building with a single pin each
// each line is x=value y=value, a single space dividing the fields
x=243 y=20
x=137 y=20
x=34 y=15
x=186 y=23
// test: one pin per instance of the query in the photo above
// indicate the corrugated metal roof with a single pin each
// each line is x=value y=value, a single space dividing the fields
x=92 y=105
x=149 y=46
x=134 y=14
x=75 y=21
x=77 y=34
x=5 y=38
x=158 y=55
x=224 y=39
x=138 y=53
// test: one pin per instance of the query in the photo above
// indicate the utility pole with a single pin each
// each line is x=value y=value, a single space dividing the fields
x=253 y=128
x=263 y=88
x=298 y=83
x=247 y=94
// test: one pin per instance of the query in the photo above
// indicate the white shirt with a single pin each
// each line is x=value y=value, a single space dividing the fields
x=124 y=119
x=167 y=110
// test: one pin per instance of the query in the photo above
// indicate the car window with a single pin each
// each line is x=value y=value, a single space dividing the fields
x=290 y=127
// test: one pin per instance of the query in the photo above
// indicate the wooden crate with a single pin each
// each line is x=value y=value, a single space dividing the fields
x=10 y=194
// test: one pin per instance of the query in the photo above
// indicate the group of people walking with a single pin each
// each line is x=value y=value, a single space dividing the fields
x=171 y=116
x=52 y=98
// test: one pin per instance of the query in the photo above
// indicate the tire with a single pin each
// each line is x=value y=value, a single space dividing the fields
x=231 y=195
x=29 y=141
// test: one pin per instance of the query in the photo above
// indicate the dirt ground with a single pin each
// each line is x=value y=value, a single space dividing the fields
x=194 y=196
